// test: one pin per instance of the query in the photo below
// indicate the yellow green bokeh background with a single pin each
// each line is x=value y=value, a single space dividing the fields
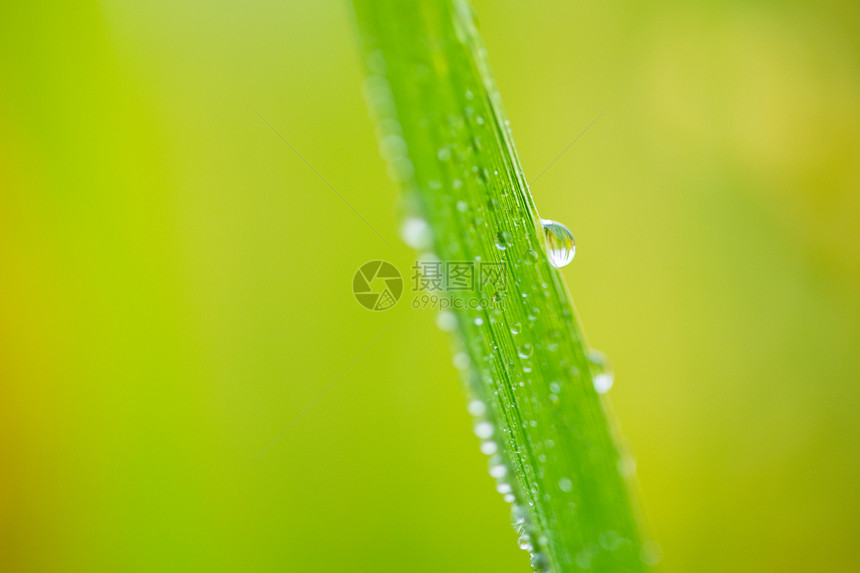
x=175 y=285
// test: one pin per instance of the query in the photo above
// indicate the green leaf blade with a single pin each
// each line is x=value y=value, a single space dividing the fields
x=444 y=132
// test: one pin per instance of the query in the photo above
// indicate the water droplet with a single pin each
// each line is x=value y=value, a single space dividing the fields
x=555 y=387
x=610 y=540
x=516 y=328
x=502 y=238
x=504 y=488
x=479 y=321
x=461 y=361
x=444 y=154
x=509 y=497
x=483 y=430
x=392 y=146
x=560 y=245
x=476 y=408
x=651 y=553
x=416 y=233
x=602 y=375
x=462 y=206
x=525 y=542
x=525 y=350
x=489 y=448
x=565 y=484
x=498 y=471
x=446 y=321
x=627 y=465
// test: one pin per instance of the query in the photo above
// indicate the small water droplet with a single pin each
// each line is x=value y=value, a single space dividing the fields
x=516 y=328
x=560 y=245
x=446 y=321
x=502 y=238
x=489 y=448
x=444 y=154
x=627 y=465
x=504 y=488
x=498 y=471
x=479 y=321
x=462 y=206
x=416 y=233
x=610 y=540
x=525 y=350
x=476 y=407
x=602 y=375
x=555 y=387
x=565 y=484
x=461 y=361
x=651 y=553
x=483 y=430
x=525 y=542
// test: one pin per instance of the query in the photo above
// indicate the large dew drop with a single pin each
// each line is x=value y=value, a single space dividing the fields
x=560 y=245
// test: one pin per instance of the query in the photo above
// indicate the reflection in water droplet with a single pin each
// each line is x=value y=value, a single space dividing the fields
x=560 y=245
x=602 y=375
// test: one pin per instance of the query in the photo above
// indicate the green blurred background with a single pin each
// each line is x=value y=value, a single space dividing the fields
x=175 y=285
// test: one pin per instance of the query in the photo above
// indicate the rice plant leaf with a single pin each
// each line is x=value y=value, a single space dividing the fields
x=530 y=376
